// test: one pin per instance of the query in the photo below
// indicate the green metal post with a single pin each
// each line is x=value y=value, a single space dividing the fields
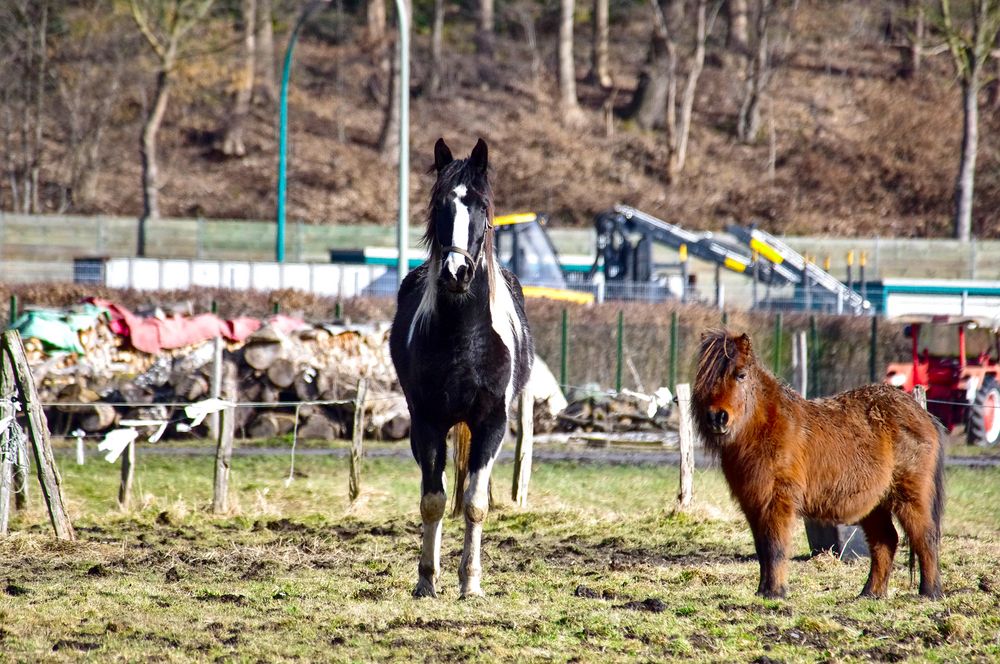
x=338 y=311
x=873 y=352
x=13 y=308
x=621 y=351
x=275 y=307
x=777 y=344
x=725 y=318
x=564 y=350
x=214 y=307
x=814 y=357
x=279 y=243
x=403 y=222
x=672 y=378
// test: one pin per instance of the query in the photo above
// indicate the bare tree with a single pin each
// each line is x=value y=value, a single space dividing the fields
x=485 y=26
x=437 y=43
x=656 y=102
x=388 y=141
x=24 y=34
x=911 y=48
x=568 y=104
x=970 y=42
x=267 y=88
x=165 y=25
x=600 y=68
x=376 y=18
x=738 y=37
x=232 y=138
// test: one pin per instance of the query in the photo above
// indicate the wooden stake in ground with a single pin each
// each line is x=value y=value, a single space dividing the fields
x=354 y=482
x=686 y=444
x=523 y=447
x=128 y=474
x=920 y=394
x=8 y=452
x=226 y=431
x=38 y=432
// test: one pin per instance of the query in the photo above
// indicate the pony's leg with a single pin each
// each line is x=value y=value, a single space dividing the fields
x=428 y=444
x=917 y=522
x=882 y=542
x=486 y=440
x=772 y=534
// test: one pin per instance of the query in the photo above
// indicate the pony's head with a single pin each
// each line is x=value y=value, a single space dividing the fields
x=722 y=388
x=460 y=218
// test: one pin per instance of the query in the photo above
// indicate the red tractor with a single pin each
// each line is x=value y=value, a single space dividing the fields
x=956 y=359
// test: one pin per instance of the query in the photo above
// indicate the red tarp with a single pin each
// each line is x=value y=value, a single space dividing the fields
x=151 y=335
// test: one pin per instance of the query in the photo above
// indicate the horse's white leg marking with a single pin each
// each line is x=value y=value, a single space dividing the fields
x=431 y=513
x=507 y=325
x=459 y=233
x=477 y=504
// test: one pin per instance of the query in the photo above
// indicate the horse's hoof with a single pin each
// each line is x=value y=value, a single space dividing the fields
x=471 y=593
x=935 y=593
x=424 y=589
x=780 y=593
x=871 y=594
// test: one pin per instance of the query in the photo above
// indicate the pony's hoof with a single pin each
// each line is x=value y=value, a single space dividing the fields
x=871 y=594
x=769 y=593
x=424 y=589
x=934 y=593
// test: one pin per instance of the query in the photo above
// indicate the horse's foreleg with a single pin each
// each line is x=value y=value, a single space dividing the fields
x=772 y=533
x=486 y=440
x=882 y=542
x=429 y=449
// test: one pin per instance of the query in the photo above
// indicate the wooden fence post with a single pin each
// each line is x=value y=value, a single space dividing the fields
x=686 y=430
x=354 y=482
x=225 y=432
x=523 y=446
x=920 y=394
x=128 y=474
x=800 y=363
x=22 y=471
x=8 y=453
x=38 y=432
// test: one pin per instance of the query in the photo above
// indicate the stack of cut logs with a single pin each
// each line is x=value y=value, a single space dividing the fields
x=617 y=412
x=312 y=364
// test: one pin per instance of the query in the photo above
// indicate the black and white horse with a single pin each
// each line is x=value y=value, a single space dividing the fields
x=462 y=349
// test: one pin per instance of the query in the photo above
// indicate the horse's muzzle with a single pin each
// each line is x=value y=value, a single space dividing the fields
x=718 y=421
x=456 y=273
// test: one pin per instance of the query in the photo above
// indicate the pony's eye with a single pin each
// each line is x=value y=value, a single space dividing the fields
x=741 y=376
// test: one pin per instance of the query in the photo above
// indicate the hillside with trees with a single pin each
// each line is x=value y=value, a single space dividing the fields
x=810 y=117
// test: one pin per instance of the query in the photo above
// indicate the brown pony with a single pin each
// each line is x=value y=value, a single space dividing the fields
x=862 y=456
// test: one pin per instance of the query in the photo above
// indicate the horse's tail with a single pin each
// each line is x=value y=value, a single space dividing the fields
x=461 y=438
x=937 y=500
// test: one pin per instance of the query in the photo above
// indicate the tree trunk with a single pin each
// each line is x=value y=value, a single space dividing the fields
x=912 y=50
x=147 y=150
x=964 y=184
x=678 y=149
x=568 y=105
x=388 y=140
x=738 y=39
x=994 y=100
x=232 y=141
x=485 y=26
x=36 y=152
x=757 y=71
x=437 y=37
x=376 y=20
x=600 y=70
x=266 y=85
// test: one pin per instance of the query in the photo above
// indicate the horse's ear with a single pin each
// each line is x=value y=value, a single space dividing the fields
x=480 y=158
x=744 y=345
x=442 y=155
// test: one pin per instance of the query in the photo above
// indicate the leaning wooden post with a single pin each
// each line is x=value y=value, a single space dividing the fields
x=225 y=432
x=354 y=483
x=22 y=471
x=920 y=394
x=7 y=449
x=523 y=447
x=128 y=474
x=686 y=430
x=38 y=431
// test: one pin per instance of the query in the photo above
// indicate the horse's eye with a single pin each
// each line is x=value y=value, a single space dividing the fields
x=741 y=376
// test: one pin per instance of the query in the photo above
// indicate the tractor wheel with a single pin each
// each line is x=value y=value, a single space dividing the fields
x=984 y=415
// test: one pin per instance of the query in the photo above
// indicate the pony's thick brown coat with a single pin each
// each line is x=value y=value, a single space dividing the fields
x=862 y=456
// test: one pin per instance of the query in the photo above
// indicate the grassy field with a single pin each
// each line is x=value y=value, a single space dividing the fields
x=599 y=568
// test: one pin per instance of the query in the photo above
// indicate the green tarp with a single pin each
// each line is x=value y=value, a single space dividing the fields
x=56 y=329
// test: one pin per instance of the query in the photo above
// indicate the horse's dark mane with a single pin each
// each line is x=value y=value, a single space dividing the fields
x=718 y=350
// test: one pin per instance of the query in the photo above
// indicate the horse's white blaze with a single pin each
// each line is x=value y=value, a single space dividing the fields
x=460 y=232
x=506 y=324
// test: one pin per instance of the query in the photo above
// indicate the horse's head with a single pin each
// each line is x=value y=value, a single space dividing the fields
x=459 y=230
x=722 y=385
